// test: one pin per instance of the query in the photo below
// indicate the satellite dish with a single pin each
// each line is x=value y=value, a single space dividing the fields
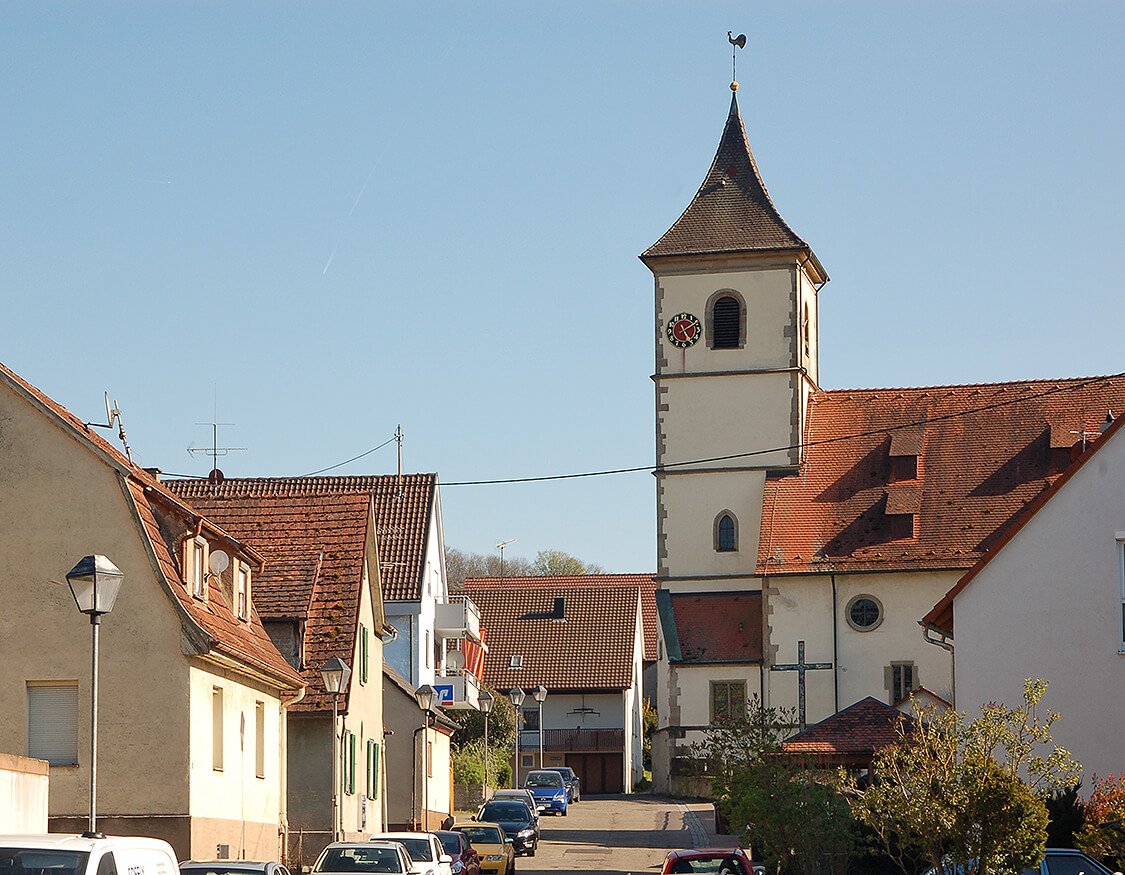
x=218 y=562
x=455 y=660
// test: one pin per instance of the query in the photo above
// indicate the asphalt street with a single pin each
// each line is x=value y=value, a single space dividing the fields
x=620 y=835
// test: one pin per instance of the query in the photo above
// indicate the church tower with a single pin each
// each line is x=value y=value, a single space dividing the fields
x=736 y=360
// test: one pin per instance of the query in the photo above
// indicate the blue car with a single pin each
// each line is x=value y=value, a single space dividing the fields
x=549 y=790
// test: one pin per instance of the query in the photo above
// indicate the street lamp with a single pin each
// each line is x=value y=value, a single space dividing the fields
x=540 y=695
x=516 y=696
x=94 y=583
x=427 y=698
x=484 y=701
x=335 y=675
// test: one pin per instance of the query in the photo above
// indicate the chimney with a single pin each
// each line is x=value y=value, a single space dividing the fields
x=559 y=613
x=1108 y=420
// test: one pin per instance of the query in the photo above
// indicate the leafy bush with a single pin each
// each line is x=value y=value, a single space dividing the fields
x=1103 y=834
x=468 y=764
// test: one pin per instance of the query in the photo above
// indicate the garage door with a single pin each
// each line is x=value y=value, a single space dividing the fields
x=599 y=772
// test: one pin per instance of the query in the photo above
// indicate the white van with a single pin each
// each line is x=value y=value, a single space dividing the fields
x=60 y=854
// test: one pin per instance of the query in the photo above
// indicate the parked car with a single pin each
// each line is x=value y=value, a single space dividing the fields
x=573 y=783
x=497 y=853
x=1056 y=861
x=521 y=793
x=517 y=821
x=466 y=859
x=63 y=854
x=720 y=861
x=549 y=790
x=427 y=856
x=231 y=867
x=350 y=858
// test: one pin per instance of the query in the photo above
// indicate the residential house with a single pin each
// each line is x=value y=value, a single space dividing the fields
x=818 y=525
x=319 y=597
x=1047 y=600
x=192 y=694
x=418 y=762
x=584 y=643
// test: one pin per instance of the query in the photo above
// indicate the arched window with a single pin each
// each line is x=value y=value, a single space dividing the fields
x=726 y=323
x=726 y=533
x=806 y=330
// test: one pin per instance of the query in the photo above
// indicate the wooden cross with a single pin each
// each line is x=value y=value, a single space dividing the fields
x=800 y=666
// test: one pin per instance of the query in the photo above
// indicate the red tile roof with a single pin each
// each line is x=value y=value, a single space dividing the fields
x=210 y=624
x=853 y=735
x=718 y=626
x=315 y=547
x=941 y=615
x=732 y=211
x=403 y=507
x=985 y=453
x=645 y=582
x=589 y=648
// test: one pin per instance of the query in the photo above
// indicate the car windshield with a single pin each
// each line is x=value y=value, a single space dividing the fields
x=482 y=835
x=505 y=811
x=544 y=779
x=419 y=848
x=362 y=859
x=451 y=844
x=715 y=864
x=36 y=861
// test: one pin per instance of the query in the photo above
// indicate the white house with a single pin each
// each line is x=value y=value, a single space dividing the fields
x=1048 y=601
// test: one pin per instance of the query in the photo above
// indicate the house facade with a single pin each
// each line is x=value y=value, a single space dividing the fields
x=823 y=523
x=320 y=598
x=584 y=643
x=1048 y=601
x=192 y=694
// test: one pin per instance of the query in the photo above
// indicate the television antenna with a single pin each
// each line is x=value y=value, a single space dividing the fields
x=113 y=412
x=215 y=451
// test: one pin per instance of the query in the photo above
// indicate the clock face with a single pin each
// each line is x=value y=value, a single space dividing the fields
x=684 y=330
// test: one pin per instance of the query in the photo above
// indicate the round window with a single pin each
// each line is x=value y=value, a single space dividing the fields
x=864 y=613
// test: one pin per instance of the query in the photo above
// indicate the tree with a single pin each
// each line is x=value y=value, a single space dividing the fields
x=467 y=747
x=1103 y=835
x=968 y=797
x=789 y=811
x=460 y=564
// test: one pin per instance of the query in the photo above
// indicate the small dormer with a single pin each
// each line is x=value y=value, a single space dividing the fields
x=905 y=453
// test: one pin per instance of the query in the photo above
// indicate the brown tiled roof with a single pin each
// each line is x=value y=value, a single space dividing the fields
x=315 y=547
x=645 y=582
x=402 y=513
x=985 y=453
x=731 y=212
x=210 y=625
x=853 y=735
x=718 y=626
x=589 y=648
x=941 y=615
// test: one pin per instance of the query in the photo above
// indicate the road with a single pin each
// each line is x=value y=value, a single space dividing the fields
x=619 y=835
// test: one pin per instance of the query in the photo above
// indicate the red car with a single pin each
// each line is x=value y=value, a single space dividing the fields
x=466 y=861
x=717 y=861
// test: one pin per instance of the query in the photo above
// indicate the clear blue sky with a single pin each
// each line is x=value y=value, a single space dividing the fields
x=318 y=221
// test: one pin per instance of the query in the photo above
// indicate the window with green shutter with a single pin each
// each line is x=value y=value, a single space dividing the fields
x=363 y=654
x=351 y=762
x=372 y=770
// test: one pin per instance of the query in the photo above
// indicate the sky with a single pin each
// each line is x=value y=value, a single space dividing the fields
x=317 y=222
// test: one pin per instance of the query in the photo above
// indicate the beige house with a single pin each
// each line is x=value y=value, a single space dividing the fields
x=192 y=692
x=803 y=532
x=319 y=597
x=1048 y=601
x=583 y=640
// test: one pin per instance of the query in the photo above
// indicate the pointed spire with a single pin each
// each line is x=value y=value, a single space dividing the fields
x=732 y=211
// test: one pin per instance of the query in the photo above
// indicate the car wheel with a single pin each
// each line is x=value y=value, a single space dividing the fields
x=531 y=853
x=564 y=812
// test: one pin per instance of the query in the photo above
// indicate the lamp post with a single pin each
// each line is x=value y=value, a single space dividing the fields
x=516 y=696
x=94 y=583
x=484 y=701
x=540 y=695
x=427 y=698
x=335 y=675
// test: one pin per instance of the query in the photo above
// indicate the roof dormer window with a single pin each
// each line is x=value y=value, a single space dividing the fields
x=242 y=595
x=195 y=562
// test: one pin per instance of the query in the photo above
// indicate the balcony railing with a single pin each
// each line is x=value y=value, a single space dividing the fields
x=458 y=691
x=458 y=619
x=575 y=740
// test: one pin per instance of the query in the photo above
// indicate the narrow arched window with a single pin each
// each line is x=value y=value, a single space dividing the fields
x=806 y=330
x=726 y=319
x=726 y=534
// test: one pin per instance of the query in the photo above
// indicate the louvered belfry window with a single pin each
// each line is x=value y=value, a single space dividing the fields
x=726 y=317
